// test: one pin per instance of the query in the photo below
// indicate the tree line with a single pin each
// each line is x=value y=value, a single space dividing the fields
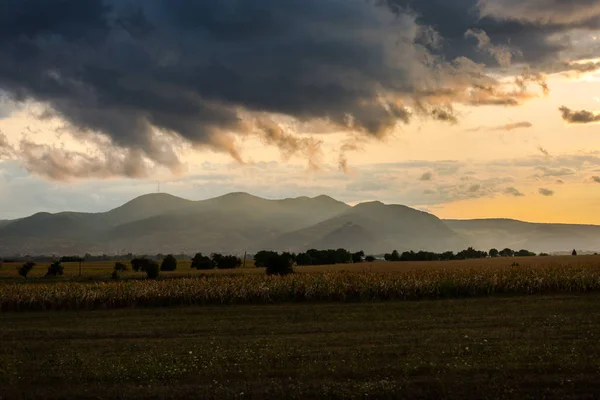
x=275 y=262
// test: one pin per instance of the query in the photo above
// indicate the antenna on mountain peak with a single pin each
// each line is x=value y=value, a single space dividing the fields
x=157 y=186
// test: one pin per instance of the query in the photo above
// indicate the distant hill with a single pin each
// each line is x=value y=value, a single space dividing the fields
x=239 y=222
x=501 y=233
x=376 y=228
x=163 y=223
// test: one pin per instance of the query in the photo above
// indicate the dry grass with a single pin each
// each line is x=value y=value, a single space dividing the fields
x=101 y=270
x=250 y=288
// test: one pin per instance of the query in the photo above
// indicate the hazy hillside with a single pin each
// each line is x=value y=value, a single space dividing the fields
x=163 y=223
x=374 y=227
x=500 y=233
x=239 y=222
x=4 y=222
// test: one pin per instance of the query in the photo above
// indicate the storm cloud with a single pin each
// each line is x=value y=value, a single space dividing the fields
x=149 y=75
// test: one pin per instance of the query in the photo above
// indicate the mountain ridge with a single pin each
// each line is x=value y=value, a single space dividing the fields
x=238 y=222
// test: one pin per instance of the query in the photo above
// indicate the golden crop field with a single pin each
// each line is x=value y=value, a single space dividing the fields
x=359 y=282
x=100 y=270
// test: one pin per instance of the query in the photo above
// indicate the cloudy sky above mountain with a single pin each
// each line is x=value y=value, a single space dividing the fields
x=465 y=108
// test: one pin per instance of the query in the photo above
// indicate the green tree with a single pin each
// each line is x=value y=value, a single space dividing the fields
x=152 y=270
x=524 y=253
x=201 y=261
x=358 y=257
x=118 y=269
x=260 y=258
x=26 y=268
x=139 y=263
x=507 y=252
x=226 y=262
x=574 y=253
x=369 y=258
x=55 y=269
x=279 y=264
x=169 y=263
x=304 y=259
x=494 y=253
x=395 y=256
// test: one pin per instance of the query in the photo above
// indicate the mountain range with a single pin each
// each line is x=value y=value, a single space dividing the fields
x=239 y=222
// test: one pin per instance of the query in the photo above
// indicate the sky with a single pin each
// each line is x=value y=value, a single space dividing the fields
x=464 y=108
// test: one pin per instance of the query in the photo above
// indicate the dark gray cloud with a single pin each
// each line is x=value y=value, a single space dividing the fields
x=512 y=191
x=579 y=117
x=546 y=192
x=148 y=74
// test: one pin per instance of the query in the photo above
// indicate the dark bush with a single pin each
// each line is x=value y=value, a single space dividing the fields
x=139 y=264
x=152 y=269
x=120 y=267
x=169 y=263
x=202 y=262
x=55 y=269
x=261 y=258
x=506 y=252
x=358 y=257
x=26 y=268
x=369 y=258
x=524 y=253
x=226 y=262
x=324 y=257
x=392 y=257
x=304 y=259
x=279 y=264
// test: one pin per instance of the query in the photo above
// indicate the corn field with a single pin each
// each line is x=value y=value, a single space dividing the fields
x=328 y=286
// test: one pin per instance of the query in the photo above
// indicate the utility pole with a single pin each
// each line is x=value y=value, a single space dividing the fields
x=244 y=266
x=80 y=261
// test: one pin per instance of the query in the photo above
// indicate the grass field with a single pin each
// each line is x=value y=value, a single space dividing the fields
x=515 y=347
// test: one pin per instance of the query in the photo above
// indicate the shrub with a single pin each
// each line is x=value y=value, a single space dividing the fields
x=201 y=261
x=139 y=264
x=524 y=253
x=261 y=258
x=226 y=262
x=152 y=269
x=369 y=258
x=279 y=264
x=26 y=268
x=120 y=267
x=358 y=257
x=55 y=269
x=169 y=263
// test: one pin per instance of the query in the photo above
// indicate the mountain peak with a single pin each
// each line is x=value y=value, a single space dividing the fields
x=369 y=204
